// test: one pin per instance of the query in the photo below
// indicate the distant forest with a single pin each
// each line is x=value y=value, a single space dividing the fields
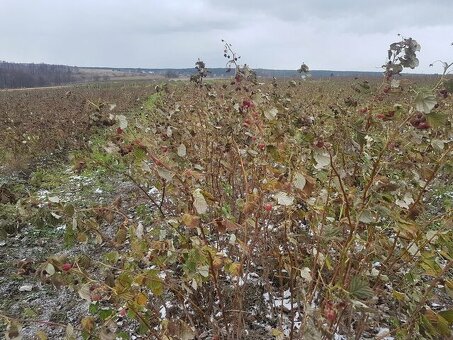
x=15 y=75
x=18 y=75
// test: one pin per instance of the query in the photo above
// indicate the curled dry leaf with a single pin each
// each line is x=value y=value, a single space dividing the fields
x=322 y=160
x=271 y=113
x=165 y=174
x=224 y=225
x=85 y=293
x=299 y=181
x=182 y=151
x=122 y=121
x=284 y=199
x=13 y=331
x=199 y=202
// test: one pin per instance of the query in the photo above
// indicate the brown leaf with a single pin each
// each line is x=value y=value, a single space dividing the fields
x=249 y=207
x=117 y=202
x=224 y=225
x=414 y=211
x=141 y=299
x=109 y=217
x=309 y=187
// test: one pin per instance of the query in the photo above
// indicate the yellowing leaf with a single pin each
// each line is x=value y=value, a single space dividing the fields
x=447 y=315
x=399 y=296
x=41 y=335
x=436 y=119
x=278 y=334
x=191 y=221
x=141 y=299
x=407 y=229
x=87 y=324
x=235 y=269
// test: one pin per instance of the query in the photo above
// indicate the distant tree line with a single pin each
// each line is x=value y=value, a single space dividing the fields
x=15 y=75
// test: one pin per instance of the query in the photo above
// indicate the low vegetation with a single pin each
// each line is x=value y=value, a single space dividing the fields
x=246 y=209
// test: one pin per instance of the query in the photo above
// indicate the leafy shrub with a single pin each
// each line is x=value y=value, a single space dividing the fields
x=277 y=206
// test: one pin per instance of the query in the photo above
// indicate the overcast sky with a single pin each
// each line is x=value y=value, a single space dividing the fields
x=329 y=34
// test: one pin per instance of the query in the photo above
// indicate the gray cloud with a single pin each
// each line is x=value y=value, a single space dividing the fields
x=325 y=34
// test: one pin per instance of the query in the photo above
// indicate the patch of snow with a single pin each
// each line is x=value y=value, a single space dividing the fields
x=153 y=191
x=383 y=334
x=163 y=309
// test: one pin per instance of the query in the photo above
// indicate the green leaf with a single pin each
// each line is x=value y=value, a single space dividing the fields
x=367 y=216
x=425 y=102
x=94 y=308
x=429 y=264
x=436 y=119
x=112 y=257
x=360 y=289
x=449 y=85
x=449 y=288
x=447 y=315
x=104 y=314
